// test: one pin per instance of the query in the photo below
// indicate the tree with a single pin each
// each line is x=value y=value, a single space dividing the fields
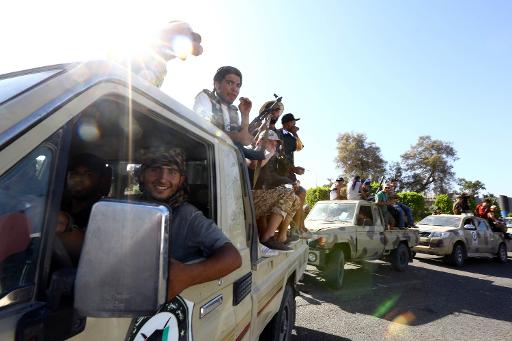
x=315 y=194
x=359 y=157
x=416 y=203
x=444 y=203
x=394 y=171
x=470 y=187
x=428 y=166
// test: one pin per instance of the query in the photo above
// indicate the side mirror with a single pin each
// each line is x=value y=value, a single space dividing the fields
x=123 y=267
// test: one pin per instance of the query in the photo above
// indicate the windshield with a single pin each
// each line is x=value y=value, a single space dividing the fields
x=333 y=212
x=11 y=85
x=439 y=220
x=508 y=221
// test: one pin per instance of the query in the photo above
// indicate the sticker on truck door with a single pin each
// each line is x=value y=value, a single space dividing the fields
x=474 y=237
x=172 y=322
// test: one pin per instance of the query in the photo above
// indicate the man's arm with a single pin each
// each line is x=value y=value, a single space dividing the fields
x=243 y=135
x=223 y=261
x=203 y=106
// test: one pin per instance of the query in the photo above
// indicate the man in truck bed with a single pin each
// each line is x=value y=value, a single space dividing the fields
x=192 y=234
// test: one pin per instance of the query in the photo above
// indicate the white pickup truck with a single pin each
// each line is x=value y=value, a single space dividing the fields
x=353 y=231
x=50 y=114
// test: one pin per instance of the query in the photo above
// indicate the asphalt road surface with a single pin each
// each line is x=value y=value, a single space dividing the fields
x=429 y=301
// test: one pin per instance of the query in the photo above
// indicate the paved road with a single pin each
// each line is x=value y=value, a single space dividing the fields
x=429 y=301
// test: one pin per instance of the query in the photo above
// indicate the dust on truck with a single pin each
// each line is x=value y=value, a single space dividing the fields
x=354 y=231
x=118 y=290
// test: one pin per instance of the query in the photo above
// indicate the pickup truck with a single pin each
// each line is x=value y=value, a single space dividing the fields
x=456 y=237
x=117 y=291
x=353 y=231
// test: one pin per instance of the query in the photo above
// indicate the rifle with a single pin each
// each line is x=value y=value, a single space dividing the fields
x=256 y=125
x=259 y=123
x=380 y=183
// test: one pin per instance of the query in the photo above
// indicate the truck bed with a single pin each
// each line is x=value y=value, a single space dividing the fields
x=393 y=237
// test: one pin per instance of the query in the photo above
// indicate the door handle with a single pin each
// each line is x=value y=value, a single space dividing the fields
x=211 y=306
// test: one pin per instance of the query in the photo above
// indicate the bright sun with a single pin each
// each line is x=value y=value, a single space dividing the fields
x=55 y=31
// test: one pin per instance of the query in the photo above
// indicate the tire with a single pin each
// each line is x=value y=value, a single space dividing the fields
x=458 y=255
x=400 y=257
x=335 y=269
x=501 y=255
x=281 y=325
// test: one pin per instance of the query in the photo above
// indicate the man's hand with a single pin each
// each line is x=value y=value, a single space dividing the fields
x=168 y=39
x=62 y=222
x=178 y=280
x=245 y=107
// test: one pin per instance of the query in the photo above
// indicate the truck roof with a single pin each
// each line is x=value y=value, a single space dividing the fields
x=22 y=105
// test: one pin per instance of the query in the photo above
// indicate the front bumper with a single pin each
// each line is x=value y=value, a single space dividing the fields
x=317 y=257
x=433 y=246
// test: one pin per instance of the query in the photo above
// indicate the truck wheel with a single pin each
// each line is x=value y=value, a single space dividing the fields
x=458 y=254
x=501 y=256
x=335 y=269
x=400 y=257
x=281 y=325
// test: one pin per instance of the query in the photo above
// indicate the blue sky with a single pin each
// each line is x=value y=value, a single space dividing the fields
x=393 y=70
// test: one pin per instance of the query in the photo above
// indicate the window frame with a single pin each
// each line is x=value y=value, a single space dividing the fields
x=57 y=143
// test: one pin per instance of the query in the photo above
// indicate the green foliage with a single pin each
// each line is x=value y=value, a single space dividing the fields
x=416 y=202
x=444 y=203
x=472 y=203
x=509 y=215
x=357 y=156
x=428 y=165
x=470 y=187
x=375 y=187
x=315 y=194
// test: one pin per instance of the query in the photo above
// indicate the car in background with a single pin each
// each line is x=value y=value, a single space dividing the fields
x=456 y=237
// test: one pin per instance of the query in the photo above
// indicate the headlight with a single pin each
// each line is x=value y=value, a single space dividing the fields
x=324 y=240
x=321 y=241
x=439 y=234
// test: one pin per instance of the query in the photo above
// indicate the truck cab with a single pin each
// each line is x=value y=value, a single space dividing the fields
x=50 y=114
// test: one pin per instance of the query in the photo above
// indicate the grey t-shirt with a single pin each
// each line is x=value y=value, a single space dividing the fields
x=193 y=235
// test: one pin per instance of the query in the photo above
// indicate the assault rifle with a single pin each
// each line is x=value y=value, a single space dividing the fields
x=262 y=121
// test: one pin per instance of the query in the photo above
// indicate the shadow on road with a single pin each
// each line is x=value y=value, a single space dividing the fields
x=420 y=295
x=309 y=334
x=483 y=266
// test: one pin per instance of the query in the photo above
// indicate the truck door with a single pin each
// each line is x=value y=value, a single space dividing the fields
x=26 y=207
x=34 y=141
x=487 y=241
x=369 y=233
